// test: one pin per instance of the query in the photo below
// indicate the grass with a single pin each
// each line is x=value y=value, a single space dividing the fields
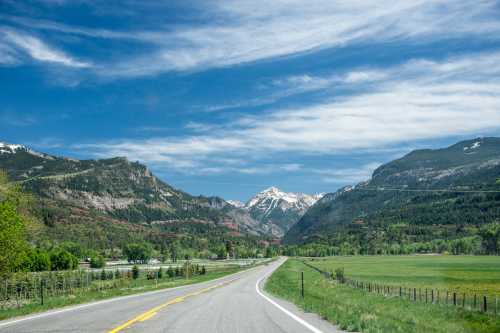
x=126 y=287
x=355 y=310
x=470 y=274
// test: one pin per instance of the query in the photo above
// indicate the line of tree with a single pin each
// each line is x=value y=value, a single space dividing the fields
x=486 y=241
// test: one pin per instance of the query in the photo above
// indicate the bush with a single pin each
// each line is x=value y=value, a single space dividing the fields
x=103 y=275
x=170 y=272
x=203 y=270
x=135 y=272
x=160 y=273
x=151 y=275
x=63 y=260
x=339 y=275
x=97 y=262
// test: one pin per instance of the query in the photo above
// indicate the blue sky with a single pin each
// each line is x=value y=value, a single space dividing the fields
x=230 y=97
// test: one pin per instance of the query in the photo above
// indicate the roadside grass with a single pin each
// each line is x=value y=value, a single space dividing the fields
x=355 y=310
x=125 y=287
x=469 y=274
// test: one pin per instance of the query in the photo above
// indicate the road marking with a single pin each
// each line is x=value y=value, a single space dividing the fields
x=290 y=314
x=150 y=313
x=115 y=299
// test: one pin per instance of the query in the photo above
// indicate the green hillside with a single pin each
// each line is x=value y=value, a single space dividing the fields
x=111 y=202
x=428 y=195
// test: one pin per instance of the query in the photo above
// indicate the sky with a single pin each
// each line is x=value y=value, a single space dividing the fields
x=228 y=98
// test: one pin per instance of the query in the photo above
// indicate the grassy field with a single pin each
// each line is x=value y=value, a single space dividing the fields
x=356 y=310
x=126 y=287
x=469 y=274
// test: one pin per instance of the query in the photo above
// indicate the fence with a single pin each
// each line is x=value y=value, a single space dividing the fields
x=28 y=288
x=467 y=301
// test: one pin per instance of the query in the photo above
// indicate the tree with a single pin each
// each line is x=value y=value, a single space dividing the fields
x=63 y=260
x=160 y=273
x=12 y=226
x=39 y=260
x=490 y=233
x=97 y=262
x=138 y=252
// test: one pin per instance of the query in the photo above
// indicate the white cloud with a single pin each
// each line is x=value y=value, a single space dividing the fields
x=347 y=175
x=239 y=32
x=415 y=101
x=38 y=50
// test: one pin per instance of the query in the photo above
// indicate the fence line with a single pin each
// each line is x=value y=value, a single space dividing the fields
x=32 y=287
x=467 y=301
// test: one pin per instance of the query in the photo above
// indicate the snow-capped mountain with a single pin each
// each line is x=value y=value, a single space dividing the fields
x=278 y=211
x=236 y=203
x=6 y=148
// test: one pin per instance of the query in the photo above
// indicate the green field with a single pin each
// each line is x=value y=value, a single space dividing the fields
x=470 y=274
x=357 y=310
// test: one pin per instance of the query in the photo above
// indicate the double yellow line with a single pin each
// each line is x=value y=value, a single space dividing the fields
x=150 y=313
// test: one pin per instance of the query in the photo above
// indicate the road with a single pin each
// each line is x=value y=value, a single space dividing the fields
x=232 y=304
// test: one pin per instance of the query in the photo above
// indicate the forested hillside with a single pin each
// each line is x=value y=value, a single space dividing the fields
x=433 y=199
x=108 y=203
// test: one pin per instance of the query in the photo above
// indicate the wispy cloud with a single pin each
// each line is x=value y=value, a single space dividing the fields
x=13 y=43
x=240 y=32
x=343 y=176
x=418 y=100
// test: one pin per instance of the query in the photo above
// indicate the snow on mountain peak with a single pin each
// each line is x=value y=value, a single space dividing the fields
x=10 y=148
x=6 y=148
x=475 y=145
x=272 y=195
x=236 y=203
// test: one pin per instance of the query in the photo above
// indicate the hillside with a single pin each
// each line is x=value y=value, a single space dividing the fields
x=113 y=201
x=425 y=195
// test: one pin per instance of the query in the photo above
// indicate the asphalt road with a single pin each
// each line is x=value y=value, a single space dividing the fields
x=233 y=304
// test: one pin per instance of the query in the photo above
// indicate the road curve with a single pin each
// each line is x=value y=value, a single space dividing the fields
x=232 y=304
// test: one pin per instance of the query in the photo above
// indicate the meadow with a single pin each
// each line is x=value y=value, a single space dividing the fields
x=358 y=310
x=470 y=274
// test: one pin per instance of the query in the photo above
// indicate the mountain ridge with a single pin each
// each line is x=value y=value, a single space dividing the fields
x=402 y=192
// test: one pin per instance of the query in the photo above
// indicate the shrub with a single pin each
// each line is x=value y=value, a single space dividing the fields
x=135 y=272
x=170 y=272
x=160 y=273
x=339 y=275
x=97 y=262
x=203 y=270
x=63 y=260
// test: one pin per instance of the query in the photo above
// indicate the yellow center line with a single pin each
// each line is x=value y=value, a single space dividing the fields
x=150 y=313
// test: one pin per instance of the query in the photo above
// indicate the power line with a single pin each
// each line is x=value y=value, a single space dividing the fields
x=381 y=189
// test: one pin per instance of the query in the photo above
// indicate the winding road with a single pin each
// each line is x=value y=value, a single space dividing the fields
x=232 y=304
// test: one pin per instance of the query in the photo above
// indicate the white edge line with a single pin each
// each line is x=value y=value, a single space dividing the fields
x=290 y=314
x=115 y=299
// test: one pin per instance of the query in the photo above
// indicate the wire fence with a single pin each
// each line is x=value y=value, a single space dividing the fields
x=28 y=288
x=432 y=296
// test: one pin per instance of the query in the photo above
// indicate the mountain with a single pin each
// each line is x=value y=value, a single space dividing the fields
x=427 y=194
x=275 y=211
x=112 y=200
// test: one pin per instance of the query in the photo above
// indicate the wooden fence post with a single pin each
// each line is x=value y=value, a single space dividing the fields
x=475 y=301
x=455 y=299
x=400 y=292
x=432 y=296
x=414 y=294
x=41 y=291
x=302 y=284
x=485 y=304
